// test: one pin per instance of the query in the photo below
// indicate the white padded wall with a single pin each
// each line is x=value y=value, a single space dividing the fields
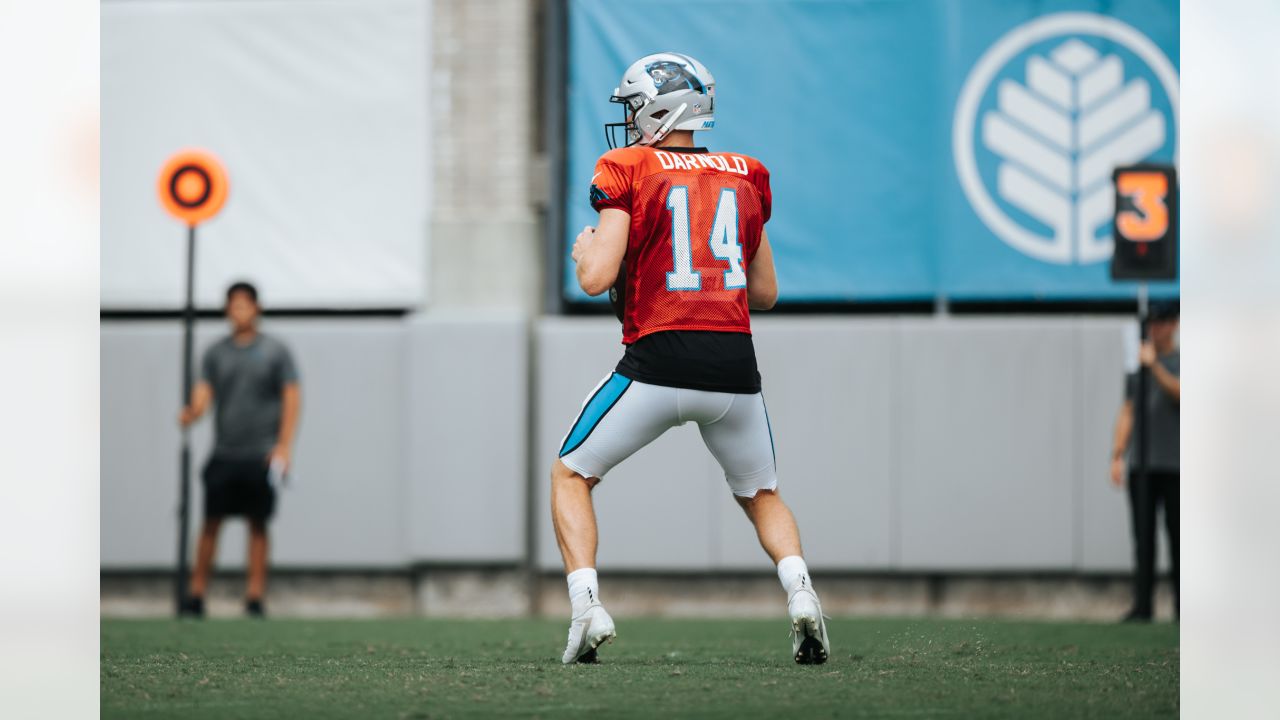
x=318 y=108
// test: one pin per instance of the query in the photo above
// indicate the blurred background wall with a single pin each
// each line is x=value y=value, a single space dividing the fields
x=406 y=177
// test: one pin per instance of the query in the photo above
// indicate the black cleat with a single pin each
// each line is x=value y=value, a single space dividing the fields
x=192 y=607
x=589 y=658
x=254 y=609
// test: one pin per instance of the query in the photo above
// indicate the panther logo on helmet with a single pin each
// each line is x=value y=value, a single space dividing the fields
x=668 y=76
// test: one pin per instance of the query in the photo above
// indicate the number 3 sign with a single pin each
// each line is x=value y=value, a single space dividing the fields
x=1146 y=229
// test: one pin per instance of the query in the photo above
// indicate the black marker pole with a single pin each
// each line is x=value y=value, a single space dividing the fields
x=184 y=482
x=1140 y=395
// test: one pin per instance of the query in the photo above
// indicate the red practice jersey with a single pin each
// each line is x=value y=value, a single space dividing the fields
x=696 y=222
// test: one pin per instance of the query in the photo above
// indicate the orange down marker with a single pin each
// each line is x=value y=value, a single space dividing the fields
x=192 y=186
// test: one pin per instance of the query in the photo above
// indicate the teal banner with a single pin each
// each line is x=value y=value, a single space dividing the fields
x=917 y=148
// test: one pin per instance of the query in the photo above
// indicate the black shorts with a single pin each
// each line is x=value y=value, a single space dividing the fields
x=238 y=487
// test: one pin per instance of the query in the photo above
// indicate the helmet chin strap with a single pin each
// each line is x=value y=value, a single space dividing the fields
x=666 y=126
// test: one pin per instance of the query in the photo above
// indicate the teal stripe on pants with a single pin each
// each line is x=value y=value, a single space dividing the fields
x=597 y=407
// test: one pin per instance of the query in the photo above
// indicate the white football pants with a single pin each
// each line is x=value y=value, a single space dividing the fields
x=621 y=416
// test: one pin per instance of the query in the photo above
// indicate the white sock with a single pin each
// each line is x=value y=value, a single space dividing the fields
x=792 y=572
x=584 y=589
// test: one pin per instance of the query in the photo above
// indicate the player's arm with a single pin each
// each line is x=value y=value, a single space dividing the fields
x=291 y=405
x=1124 y=426
x=762 y=280
x=198 y=403
x=599 y=251
x=202 y=393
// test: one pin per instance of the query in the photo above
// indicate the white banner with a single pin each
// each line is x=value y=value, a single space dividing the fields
x=318 y=109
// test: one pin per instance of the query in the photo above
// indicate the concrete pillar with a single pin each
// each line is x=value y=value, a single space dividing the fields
x=485 y=231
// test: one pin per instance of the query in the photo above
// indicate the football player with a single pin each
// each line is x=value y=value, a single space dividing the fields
x=681 y=234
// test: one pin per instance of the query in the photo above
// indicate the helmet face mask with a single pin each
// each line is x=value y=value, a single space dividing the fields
x=661 y=93
x=631 y=134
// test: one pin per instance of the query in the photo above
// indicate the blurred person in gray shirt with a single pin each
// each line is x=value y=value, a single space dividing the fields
x=1160 y=356
x=251 y=380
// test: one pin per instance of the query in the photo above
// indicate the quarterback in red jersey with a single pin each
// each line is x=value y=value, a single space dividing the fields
x=686 y=228
x=685 y=285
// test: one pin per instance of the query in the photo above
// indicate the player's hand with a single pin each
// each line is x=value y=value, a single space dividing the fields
x=1147 y=354
x=1117 y=472
x=279 y=457
x=582 y=244
x=187 y=415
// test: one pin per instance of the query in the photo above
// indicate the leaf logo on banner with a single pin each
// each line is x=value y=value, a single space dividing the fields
x=1062 y=133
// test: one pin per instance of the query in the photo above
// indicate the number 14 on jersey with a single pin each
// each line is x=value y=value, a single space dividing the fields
x=723 y=241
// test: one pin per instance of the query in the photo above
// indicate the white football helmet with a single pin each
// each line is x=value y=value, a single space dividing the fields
x=660 y=93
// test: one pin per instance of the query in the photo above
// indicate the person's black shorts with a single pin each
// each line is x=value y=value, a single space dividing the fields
x=238 y=487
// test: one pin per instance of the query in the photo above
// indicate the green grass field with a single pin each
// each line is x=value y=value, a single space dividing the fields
x=657 y=668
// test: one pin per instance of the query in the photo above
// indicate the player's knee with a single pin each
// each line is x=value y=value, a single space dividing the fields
x=757 y=498
x=564 y=475
x=211 y=527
